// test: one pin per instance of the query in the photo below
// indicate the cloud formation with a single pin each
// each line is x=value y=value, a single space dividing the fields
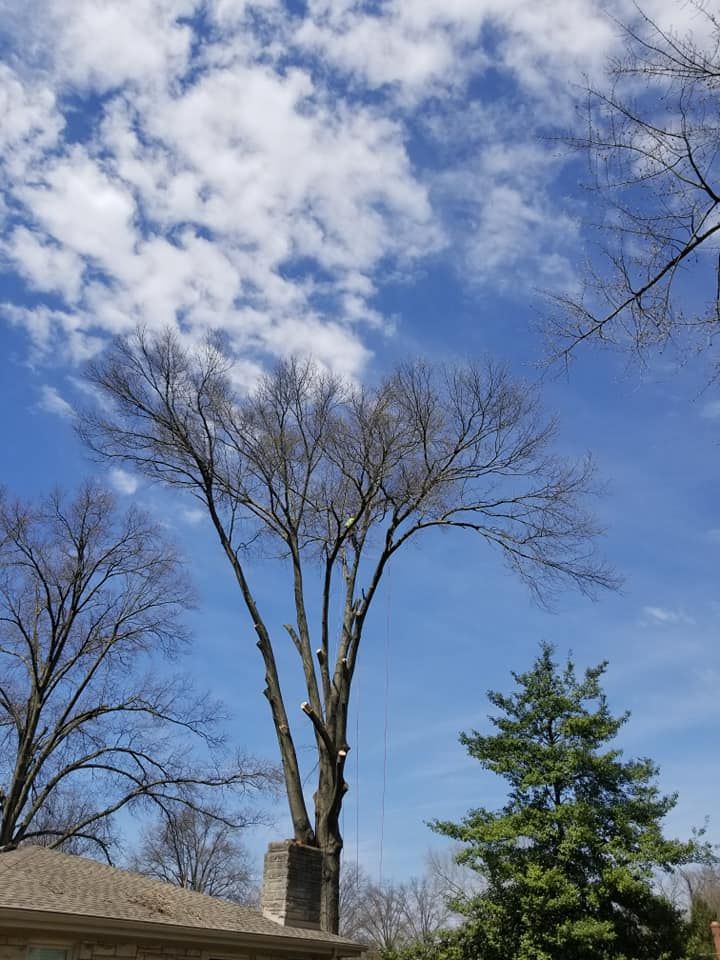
x=236 y=166
x=52 y=402
x=662 y=615
x=123 y=482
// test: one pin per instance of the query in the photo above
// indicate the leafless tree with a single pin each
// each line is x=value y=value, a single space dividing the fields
x=86 y=594
x=653 y=144
x=354 y=884
x=200 y=850
x=455 y=882
x=336 y=479
x=703 y=883
x=426 y=907
x=392 y=915
x=385 y=917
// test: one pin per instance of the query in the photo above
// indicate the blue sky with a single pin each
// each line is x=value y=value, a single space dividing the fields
x=365 y=182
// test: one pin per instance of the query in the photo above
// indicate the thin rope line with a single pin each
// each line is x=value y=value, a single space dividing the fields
x=357 y=780
x=385 y=735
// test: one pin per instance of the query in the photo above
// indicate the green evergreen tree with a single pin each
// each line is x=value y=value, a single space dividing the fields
x=699 y=940
x=568 y=862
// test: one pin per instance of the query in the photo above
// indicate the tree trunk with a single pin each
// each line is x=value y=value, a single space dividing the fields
x=331 y=845
x=330 y=902
x=328 y=803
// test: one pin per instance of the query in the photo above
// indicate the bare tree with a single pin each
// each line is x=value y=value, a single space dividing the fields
x=354 y=884
x=392 y=915
x=385 y=918
x=455 y=882
x=652 y=141
x=703 y=883
x=337 y=479
x=426 y=907
x=200 y=850
x=85 y=594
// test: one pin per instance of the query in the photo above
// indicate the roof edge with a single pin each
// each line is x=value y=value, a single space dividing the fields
x=38 y=921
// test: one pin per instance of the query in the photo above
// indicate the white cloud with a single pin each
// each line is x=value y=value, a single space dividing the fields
x=662 y=615
x=495 y=202
x=194 y=515
x=711 y=410
x=46 y=265
x=52 y=402
x=426 y=46
x=29 y=120
x=239 y=183
x=199 y=203
x=123 y=482
x=103 y=45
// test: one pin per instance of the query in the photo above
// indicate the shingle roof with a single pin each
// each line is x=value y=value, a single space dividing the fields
x=35 y=878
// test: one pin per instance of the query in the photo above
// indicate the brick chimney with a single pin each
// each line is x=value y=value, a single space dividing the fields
x=715 y=929
x=292 y=879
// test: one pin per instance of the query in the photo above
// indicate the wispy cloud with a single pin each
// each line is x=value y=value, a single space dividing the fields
x=52 y=402
x=664 y=615
x=194 y=515
x=124 y=482
x=711 y=410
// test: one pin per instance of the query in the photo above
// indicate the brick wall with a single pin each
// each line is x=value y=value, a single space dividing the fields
x=15 y=948
x=292 y=878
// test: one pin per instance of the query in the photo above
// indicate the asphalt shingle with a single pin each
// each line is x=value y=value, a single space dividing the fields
x=34 y=878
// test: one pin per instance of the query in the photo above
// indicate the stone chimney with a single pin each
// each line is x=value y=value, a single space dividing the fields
x=715 y=928
x=292 y=879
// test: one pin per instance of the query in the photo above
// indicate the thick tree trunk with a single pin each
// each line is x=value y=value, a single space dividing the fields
x=328 y=803
x=330 y=902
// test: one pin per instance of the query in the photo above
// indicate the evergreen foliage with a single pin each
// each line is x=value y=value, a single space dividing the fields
x=568 y=862
x=699 y=936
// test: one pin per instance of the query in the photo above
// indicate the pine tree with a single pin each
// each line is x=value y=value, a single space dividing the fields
x=568 y=862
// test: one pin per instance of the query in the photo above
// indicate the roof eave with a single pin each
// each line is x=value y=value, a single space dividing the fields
x=38 y=921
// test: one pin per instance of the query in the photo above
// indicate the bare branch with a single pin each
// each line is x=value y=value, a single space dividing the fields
x=652 y=145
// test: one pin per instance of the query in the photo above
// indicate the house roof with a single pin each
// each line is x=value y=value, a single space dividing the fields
x=38 y=879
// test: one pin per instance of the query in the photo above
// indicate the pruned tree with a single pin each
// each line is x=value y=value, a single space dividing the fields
x=85 y=594
x=336 y=479
x=200 y=850
x=652 y=142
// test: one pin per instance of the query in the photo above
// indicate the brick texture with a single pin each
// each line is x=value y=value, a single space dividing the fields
x=292 y=879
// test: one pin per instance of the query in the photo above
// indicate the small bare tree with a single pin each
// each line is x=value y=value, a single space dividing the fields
x=392 y=915
x=385 y=917
x=455 y=882
x=200 y=850
x=85 y=594
x=337 y=479
x=354 y=884
x=652 y=141
x=426 y=907
x=703 y=883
